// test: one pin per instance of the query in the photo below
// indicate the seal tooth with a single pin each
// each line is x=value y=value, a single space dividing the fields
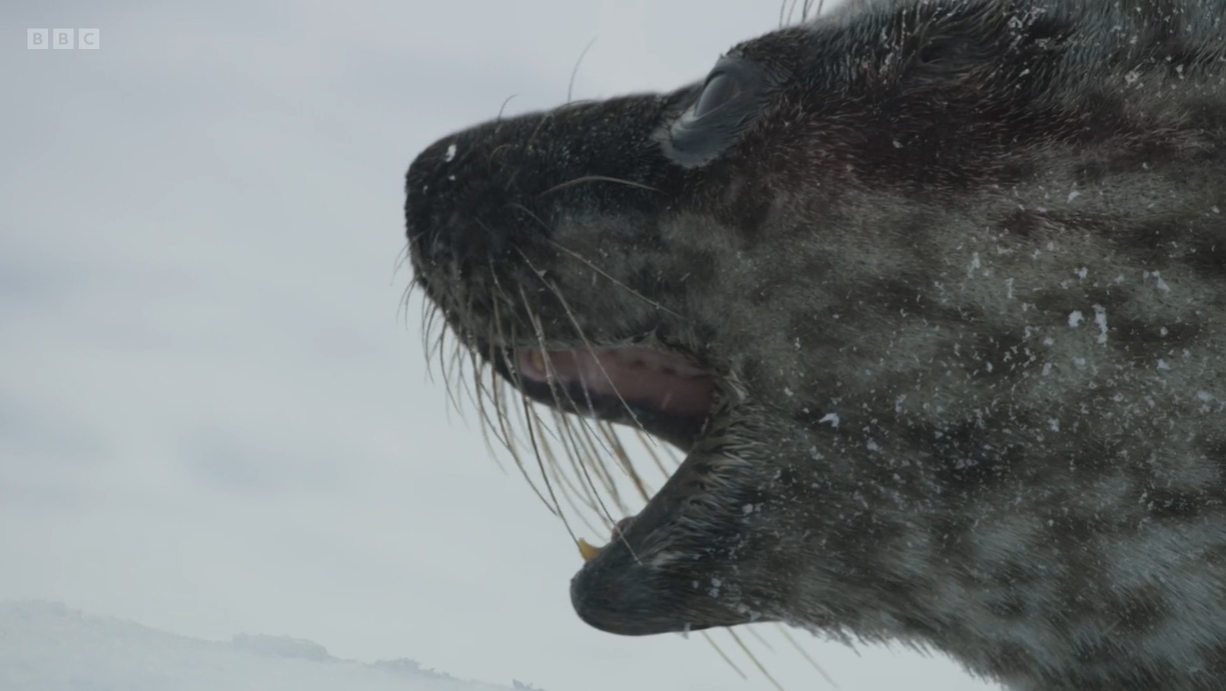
x=588 y=551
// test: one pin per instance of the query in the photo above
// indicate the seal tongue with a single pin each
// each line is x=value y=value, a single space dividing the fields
x=664 y=382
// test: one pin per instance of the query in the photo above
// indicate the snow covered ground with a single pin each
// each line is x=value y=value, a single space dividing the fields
x=46 y=646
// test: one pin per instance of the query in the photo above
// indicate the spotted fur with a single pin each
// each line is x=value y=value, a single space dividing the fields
x=960 y=270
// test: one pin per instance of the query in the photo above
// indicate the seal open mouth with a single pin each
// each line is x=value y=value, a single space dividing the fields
x=664 y=392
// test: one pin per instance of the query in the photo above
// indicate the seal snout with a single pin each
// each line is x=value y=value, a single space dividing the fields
x=456 y=208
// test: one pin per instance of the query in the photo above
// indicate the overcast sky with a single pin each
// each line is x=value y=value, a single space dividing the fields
x=214 y=414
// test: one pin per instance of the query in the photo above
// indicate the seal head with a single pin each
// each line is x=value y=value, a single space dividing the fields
x=932 y=297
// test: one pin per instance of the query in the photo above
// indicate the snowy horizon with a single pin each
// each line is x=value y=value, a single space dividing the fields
x=50 y=646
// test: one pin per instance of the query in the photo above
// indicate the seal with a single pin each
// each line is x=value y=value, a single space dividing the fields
x=931 y=295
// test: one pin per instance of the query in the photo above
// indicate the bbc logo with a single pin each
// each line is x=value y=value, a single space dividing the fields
x=63 y=39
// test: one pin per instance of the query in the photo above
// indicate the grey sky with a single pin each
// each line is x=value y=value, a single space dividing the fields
x=215 y=415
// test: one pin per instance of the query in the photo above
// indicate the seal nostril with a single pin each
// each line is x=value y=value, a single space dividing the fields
x=455 y=207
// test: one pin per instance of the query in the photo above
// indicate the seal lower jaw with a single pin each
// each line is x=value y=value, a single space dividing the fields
x=631 y=591
x=628 y=600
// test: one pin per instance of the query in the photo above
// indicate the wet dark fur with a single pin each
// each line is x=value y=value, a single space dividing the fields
x=961 y=270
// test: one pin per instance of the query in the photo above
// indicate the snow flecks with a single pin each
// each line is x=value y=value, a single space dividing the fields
x=1158 y=281
x=1075 y=318
x=831 y=418
x=450 y=155
x=1073 y=194
x=1082 y=273
x=973 y=266
x=715 y=585
x=1009 y=288
x=1100 y=318
x=1162 y=364
x=1046 y=368
x=1053 y=424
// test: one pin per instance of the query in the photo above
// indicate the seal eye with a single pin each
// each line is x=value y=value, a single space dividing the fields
x=720 y=89
x=728 y=102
